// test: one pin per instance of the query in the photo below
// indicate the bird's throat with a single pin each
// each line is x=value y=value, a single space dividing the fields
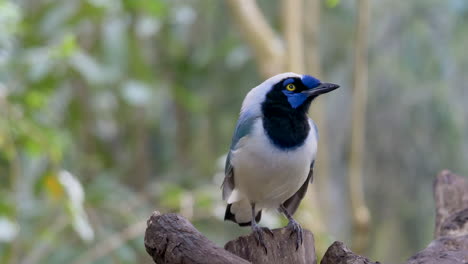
x=285 y=127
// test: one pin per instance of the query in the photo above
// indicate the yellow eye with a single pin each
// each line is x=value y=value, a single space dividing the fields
x=290 y=87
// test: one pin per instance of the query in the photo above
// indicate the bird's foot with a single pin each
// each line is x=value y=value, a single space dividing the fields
x=268 y=231
x=297 y=230
x=258 y=233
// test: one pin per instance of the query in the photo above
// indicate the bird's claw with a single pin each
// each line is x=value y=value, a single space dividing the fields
x=258 y=232
x=297 y=230
x=268 y=231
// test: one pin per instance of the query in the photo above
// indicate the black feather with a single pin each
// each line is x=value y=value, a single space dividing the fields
x=228 y=215
x=286 y=127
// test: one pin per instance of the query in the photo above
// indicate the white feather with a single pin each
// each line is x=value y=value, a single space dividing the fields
x=266 y=175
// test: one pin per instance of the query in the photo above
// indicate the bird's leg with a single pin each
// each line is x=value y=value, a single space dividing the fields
x=294 y=226
x=258 y=231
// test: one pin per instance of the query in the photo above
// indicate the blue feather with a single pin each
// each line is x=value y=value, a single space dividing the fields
x=310 y=82
x=243 y=128
x=295 y=99
x=288 y=81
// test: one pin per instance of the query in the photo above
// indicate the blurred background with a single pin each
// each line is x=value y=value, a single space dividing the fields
x=110 y=109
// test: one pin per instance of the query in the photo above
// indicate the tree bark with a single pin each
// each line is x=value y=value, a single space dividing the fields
x=338 y=253
x=445 y=250
x=281 y=249
x=451 y=228
x=170 y=238
x=451 y=196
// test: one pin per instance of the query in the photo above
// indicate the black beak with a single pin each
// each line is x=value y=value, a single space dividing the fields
x=321 y=89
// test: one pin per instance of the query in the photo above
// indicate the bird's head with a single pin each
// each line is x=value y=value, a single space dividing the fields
x=289 y=90
x=299 y=90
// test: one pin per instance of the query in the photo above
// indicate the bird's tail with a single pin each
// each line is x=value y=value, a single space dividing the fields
x=240 y=212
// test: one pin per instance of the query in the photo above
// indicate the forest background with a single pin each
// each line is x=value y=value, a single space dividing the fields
x=110 y=109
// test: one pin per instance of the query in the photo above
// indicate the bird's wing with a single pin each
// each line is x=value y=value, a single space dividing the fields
x=243 y=127
x=293 y=202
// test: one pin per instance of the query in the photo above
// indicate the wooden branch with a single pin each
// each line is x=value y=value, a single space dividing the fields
x=445 y=250
x=266 y=45
x=170 y=238
x=293 y=35
x=281 y=249
x=451 y=231
x=451 y=196
x=456 y=224
x=338 y=253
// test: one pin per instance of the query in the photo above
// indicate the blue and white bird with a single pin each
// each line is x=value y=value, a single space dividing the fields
x=270 y=162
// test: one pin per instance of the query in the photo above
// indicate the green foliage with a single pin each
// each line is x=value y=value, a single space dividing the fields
x=136 y=100
x=332 y=3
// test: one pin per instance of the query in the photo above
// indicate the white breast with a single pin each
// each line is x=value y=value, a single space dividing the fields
x=266 y=175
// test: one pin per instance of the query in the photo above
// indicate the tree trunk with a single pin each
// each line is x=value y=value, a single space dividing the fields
x=361 y=216
x=266 y=45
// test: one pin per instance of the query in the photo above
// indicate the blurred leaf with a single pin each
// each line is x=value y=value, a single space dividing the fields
x=136 y=93
x=187 y=98
x=332 y=3
x=10 y=16
x=35 y=99
x=32 y=146
x=204 y=199
x=89 y=68
x=156 y=8
x=75 y=193
x=39 y=63
x=8 y=229
x=67 y=47
x=171 y=196
x=53 y=186
x=6 y=206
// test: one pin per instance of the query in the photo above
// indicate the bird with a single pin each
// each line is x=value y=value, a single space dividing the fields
x=273 y=149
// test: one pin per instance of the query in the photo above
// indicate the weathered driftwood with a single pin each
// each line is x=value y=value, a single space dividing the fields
x=451 y=196
x=171 y=238
x=444 y=250
x=338 y=253
x=451 y=229
x=281 y=248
